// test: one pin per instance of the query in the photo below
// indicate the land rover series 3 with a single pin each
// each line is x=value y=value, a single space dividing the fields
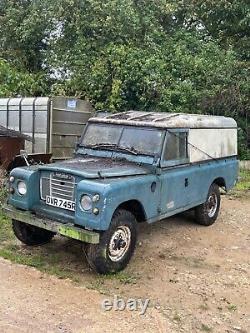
x=128 y=168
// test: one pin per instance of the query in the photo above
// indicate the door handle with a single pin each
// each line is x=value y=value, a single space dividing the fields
x=186 y=182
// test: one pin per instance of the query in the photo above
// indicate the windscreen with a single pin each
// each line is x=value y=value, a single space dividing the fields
x=99 y=134
x=134 y=140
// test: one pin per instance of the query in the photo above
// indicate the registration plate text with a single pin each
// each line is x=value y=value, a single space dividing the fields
x=61 y=203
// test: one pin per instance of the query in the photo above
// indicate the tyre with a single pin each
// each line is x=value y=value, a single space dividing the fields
x=31 y=235
x=116 y=245
x=207 y=213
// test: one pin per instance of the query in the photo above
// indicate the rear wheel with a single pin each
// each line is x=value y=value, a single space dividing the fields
x=116 y=245
x=207 y=213
x=31 y=235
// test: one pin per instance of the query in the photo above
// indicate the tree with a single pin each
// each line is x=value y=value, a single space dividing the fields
x=133 y=54
x=24 y=28
x=14 y=82
x=166 y=55
x=227 y=21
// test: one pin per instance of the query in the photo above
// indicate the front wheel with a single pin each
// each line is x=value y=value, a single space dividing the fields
x=31 y=235
x=116 y=245
x=207 y=213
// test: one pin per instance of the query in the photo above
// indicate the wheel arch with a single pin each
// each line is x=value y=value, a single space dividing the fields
x=135 y=207
x=221 y=182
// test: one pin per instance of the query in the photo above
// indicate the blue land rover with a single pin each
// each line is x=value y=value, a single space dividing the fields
x=128 y=168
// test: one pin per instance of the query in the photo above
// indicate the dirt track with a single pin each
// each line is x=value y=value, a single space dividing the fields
x=197 y=280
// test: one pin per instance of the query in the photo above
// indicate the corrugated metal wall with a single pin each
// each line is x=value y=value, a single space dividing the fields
x=55 y=124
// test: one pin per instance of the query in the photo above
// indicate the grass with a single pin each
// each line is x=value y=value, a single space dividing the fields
x=242 y=188
x=123 y=277
x=206 y=328
x=232 y=307
x=177 y=318
x=48 y=264
x=98 y=285
x=244 y=181
x=204 y=307
x=6 y=233
x=62 y=258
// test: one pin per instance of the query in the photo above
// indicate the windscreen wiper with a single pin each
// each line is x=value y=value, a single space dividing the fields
x=113 y=147
x=128 y=150
x=101 y=145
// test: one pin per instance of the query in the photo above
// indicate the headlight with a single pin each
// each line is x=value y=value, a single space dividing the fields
x=21 y=188
x=86 y=202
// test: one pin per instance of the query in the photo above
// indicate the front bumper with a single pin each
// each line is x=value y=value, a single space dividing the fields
x=67 y=230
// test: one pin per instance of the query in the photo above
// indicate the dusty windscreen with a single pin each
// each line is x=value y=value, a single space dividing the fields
x=138 y=140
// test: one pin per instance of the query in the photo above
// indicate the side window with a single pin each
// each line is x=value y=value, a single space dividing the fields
x=176 y=148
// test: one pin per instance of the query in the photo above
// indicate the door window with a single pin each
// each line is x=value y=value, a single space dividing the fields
x=176 y=148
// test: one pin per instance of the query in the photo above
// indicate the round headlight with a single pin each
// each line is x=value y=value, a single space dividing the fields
x=86 y=202
x=22 y=188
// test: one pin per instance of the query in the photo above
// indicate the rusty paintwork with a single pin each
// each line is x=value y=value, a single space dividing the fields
x=32 y=159
x=11 y=142
x=68 y=230
x=98 y=167
x=9 y=148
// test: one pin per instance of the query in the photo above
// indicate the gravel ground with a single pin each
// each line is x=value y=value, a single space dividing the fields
x=197 y=279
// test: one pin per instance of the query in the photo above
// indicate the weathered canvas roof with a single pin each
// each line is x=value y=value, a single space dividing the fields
x=165 y=120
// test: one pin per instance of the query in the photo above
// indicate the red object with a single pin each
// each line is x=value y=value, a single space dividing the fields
x=9 y=148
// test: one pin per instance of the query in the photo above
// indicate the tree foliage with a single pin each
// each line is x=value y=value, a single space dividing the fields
x=165 y=55
x=226 y=21
x=14 y=82
x=24 y=28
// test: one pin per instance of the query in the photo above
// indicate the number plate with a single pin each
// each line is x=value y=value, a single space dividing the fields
x=61 y=203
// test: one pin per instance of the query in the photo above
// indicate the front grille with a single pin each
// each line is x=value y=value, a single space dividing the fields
x=59 y=186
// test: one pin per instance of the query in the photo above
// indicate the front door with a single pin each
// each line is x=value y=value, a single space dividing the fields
x=175 y=174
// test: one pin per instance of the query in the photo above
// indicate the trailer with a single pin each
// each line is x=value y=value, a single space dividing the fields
x=55 y=124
